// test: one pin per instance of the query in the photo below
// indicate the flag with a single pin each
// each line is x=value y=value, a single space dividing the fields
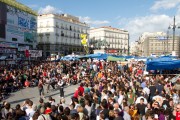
x=27 y=53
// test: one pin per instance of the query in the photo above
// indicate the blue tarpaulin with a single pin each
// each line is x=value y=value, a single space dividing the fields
x=162 y=63
x=99 y=56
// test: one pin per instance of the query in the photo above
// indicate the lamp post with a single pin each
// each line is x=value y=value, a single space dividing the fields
x=174 y=26
x=174 y=29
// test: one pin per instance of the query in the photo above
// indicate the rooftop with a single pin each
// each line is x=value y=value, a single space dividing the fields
x=65 y=17
x=110 y=28
x=19 y=6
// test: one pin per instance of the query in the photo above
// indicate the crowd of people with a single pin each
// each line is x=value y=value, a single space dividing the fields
x=107 y=91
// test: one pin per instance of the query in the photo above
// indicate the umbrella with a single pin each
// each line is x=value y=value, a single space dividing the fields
x=138 y=100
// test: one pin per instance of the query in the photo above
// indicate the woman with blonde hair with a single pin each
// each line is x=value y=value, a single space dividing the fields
x=80 y=111
x=111 y=115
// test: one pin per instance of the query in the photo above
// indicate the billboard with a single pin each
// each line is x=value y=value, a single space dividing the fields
x=21 y=26
x=35 y=53
x=3 y=17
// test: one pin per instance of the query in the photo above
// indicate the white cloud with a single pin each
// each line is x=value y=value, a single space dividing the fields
x=151 y=23
x=165 y=4
x=89 y=21
x=49 y=9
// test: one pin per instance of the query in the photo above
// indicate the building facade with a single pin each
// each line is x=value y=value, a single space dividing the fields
x=158 y=44
x=60 y=34
x=17 y=28
x=134 y=48
x=116 y=40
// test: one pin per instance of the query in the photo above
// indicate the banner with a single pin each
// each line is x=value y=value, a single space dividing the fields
x=35 y=53
x=8 y=44
x=23 y=48
x=7 y=50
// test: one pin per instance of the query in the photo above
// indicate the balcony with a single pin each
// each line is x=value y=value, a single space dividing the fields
x=40 y=34
x=62 y=27
x=47 y=34
x=57 y=26
x=57 y=34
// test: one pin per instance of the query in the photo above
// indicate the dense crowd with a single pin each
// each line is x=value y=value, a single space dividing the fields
x=107 y=91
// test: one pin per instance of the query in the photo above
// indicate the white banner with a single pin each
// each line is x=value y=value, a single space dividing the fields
x=23 y=48
x=35 y=53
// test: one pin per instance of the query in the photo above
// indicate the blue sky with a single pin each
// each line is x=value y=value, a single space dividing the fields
x=136 y=16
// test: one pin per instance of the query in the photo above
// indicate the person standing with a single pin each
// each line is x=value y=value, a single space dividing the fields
x=178 y=112
x=61 y=87
x=40 y=88
x=141 y=108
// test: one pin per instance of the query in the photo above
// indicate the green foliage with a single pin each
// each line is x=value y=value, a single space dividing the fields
x=19 y=6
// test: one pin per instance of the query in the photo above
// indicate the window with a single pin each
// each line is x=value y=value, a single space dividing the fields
x=62 y=33
x=47 y=24
x=40 y=38
x=70 y=28
x=41 y=24
x=62 y=26
x=57 y=24
x=14 y=39
x=47 y=38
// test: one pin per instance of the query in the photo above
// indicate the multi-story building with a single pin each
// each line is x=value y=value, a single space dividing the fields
x=134 y=48
x=17 y=28
x=60 y=34
x=117 y=40
x=158 y=44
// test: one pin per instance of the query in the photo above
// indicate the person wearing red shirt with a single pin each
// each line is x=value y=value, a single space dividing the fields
x=81 y=89
x=178 y=112
x=76 y=93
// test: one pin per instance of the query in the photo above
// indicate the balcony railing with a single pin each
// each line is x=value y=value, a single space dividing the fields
x=40 y=34
x=47 y=33
x=57 y=34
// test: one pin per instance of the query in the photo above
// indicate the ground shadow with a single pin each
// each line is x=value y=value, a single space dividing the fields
x=18 y=101
x=59 y=94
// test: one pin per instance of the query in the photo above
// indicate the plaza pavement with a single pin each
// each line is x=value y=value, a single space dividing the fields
x=33 y=94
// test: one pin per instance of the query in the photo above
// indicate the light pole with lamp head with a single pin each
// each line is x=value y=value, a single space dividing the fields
x=174 y=26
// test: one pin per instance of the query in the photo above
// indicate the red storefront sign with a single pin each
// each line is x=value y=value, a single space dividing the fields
x=112 y=51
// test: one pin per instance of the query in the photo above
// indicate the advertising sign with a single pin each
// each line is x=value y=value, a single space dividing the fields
x=35 y=53
x=20 y=26
x=2 y=20
x=7 y=50
x=8 y=44
x=23 y=48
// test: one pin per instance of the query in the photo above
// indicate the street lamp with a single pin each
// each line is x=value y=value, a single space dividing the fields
x=174 y=26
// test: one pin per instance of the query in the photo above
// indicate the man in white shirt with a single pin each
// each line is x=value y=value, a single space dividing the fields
x=30 y=111
x=126 y=115
x=104 y=95
x=121 y=96
x=94 y=67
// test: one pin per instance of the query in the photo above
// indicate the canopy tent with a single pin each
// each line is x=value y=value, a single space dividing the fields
x=98 y=56
x=70 y=57
x=162 y=65
x=102 y=57
x=163 y=58
x=111 y=58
